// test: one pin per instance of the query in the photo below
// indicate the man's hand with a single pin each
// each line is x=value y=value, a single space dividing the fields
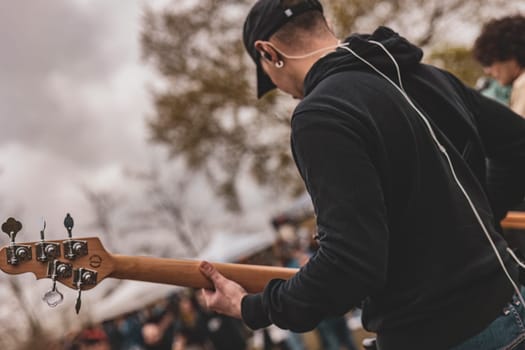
x=227 y=296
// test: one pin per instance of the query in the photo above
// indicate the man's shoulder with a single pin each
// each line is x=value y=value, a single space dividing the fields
x=344 y=89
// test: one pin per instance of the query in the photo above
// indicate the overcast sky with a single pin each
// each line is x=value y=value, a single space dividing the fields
x=73 y=103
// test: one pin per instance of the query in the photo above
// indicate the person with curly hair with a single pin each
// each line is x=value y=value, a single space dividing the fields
x=500 y=48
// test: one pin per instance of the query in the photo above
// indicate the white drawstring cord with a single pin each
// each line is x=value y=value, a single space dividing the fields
x=515 y=258
x=393 y=60
x=291 y=57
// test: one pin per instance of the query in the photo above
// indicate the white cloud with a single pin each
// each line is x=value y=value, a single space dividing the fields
x=73 y=101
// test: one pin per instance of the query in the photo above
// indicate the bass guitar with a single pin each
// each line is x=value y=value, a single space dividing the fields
x=82 y=263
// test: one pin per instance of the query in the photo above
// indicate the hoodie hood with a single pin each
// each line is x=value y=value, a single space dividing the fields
x=406 y=55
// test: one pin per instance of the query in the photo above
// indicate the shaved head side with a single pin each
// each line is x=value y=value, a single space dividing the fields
x=300 y=31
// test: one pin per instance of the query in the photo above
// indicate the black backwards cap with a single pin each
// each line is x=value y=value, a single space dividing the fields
x=264 y=19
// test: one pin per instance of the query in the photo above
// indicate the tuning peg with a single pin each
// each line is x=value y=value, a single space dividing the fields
x=73 y=248
x=56 y=269
x=68 y=223
x=12 y=227
x=78 y=303
x=83 y=277
x=53 y=298
x=15 y=253
x=43 y=229
x=46 y=250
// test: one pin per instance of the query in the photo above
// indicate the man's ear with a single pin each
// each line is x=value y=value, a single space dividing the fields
x=266 y=50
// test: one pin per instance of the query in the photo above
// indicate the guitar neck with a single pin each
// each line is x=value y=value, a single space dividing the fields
x=186 y=273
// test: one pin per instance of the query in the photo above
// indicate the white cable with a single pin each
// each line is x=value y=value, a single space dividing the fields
x=444 y=152
x=515 y=258
x=290 y=57
x=393 y=60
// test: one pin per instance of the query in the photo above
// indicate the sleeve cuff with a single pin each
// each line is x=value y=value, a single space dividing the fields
x=253 y=313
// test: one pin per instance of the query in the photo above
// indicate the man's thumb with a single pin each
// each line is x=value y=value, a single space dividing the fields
x=209 y=271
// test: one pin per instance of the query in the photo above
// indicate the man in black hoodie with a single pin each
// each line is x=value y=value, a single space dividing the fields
x=409 y=172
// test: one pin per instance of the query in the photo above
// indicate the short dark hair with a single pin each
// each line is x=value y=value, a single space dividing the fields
x=500 y=40
x=299 y=30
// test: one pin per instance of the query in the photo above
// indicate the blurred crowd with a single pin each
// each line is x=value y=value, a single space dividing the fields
x=181 y=322
x=175 y=323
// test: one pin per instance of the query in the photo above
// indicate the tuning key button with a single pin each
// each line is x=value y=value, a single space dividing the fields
x=69 y=223
x=78 y=303
x=11 y=227
x=55 y=270
x=15 y=253
x=43 y=229
x=53 y=298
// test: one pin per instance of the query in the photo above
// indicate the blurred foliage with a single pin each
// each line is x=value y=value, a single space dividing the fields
x=459 y=61
x=207 y=112
x=424 y=22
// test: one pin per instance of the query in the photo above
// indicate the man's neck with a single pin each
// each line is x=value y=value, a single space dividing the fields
x=324 y=48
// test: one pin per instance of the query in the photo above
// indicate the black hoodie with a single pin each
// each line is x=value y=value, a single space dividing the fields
x=397 y=235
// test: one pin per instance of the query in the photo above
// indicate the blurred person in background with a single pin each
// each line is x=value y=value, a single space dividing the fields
x=224 y=332
x=158 y=329
x=92 y=338
x=128 y=332
x=491 y=88
x=191 y=332
x=500 y=48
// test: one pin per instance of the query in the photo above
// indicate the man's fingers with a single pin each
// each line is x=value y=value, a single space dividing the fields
x=210 y=272
x=206 y=293
x=206 y=296
x=227 y=296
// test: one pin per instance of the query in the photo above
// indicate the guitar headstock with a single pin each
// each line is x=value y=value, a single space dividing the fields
x=96 y=264
x=79 y=263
